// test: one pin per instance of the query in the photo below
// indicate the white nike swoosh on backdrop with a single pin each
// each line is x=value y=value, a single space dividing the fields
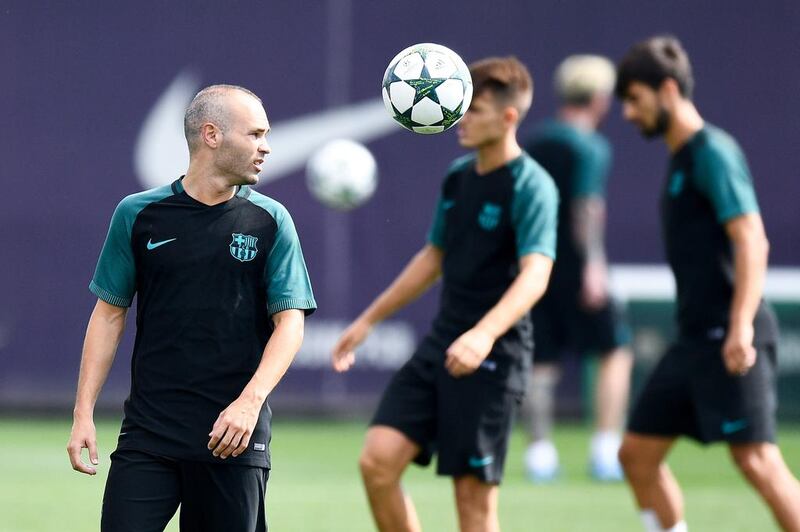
x=160 y=153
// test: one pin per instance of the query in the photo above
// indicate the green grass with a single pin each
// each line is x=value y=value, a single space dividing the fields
x=314 y=486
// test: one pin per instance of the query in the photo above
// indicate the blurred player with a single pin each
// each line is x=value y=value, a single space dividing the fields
x=493 y=243
x=717 y=381
x=222 y=291
x=576 y=311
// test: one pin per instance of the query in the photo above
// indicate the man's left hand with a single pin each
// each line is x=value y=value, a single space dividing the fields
x=231 y=433
x=466 y=354
x=738 y=351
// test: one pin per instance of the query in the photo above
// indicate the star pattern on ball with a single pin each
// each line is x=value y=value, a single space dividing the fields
x=425 y=88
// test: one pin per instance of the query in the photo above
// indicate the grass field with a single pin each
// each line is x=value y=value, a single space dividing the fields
x=314 y=486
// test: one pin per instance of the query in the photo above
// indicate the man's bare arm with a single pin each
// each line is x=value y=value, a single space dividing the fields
x=470 y=349
x=106 y=325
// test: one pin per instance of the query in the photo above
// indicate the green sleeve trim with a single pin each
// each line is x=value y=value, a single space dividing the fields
x=115 y=273
x=541 y=250
x=534 y=210
x=724 y=178
x=285 y=273
x=307 y=305
x=592 y=166
x=108 y=297
x=436 y=232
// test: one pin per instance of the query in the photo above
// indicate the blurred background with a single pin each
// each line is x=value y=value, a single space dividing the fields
x=93 y=95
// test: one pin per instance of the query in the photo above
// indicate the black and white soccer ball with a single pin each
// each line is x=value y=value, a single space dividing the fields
x=427 y=88
x=342 y=174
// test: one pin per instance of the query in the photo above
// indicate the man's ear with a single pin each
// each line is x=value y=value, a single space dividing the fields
x=211 y=135
x=510 y=116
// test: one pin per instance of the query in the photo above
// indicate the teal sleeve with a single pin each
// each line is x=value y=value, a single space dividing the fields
x=591 y=169
x=287 y=281
x=114 y=278
x=436 y=233
x=723 y=177
x=534 y=213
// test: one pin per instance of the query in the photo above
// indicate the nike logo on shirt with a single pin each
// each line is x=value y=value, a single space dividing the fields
x=153 y=245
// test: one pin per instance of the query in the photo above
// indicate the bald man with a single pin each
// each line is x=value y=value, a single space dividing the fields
x=222 y=293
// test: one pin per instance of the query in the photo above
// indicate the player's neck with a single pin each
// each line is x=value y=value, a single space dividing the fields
x=685 y=122
x=578 y=117
x=492 y=156
x=206 y=187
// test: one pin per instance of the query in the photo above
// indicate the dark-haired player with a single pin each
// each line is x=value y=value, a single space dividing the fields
x=717 y=381
x=492 y=242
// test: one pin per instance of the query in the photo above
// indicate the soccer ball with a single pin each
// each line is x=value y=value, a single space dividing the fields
x=427 y=88
x=342 y=174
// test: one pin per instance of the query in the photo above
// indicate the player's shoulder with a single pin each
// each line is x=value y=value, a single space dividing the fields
x=270 y=205
x=461 y=165
x=530 y=176
x=553 y=130
x=131 y=205
x=714 y=145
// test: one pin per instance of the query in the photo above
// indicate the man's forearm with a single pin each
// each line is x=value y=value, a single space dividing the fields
x=106 y=325
x=415 y=279
x=588 y=221
x=524 y=292
x=750 y=265
x=283 y=345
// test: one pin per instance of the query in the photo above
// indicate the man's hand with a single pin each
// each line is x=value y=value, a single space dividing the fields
x=738 y=351
x=234 y=427
x=83 y=436
x=466 y=354
x=343 y=355
x=594 y=291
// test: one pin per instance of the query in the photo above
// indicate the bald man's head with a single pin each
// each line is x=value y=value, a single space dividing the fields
x=211 y=104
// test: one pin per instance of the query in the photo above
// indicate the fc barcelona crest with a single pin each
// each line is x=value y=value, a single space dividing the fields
x=489 y=216
x=243 y=247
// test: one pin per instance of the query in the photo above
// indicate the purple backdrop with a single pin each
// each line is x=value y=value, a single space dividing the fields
x=80 y=77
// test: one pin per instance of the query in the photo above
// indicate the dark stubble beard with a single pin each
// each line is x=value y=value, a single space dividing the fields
x=660 y=127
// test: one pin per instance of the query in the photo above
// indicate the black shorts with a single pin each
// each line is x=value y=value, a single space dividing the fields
x=467 y=421
x=143 y=491
x=560 y=324
x=690 y=393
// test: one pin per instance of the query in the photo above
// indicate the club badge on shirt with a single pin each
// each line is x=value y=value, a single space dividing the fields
x=243 y=247
x=489 y=216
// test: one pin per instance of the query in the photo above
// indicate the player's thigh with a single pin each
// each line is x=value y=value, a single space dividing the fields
x=388 y=450
x=737 y=409
x=408 y=406
x=601 y=331
x=142 y=492
x=223 y=497
x=473 y=493
x=663 y=408
x=645 y=450
x=476 y=415
x=550 y=336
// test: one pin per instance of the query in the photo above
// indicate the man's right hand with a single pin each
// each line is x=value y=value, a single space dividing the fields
x=343 y=355
x=83 y=436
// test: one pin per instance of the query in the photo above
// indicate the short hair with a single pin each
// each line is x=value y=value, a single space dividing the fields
x=507 y=79
x=209 y=105
x=654 y=60
x=580 y=77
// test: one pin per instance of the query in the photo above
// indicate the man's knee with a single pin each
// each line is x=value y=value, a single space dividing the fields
x=757 y=461
x=635 y=462
x=474 y=496
x=385 y=455
x=377 y=468
x=627 y=455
